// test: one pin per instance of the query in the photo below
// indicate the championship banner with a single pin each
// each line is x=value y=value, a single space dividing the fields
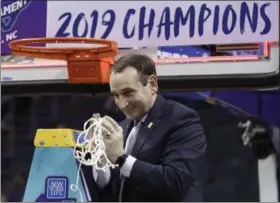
x=142 y=23
x=167 y=23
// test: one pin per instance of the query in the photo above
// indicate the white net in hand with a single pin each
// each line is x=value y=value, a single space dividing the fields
x=90 y=149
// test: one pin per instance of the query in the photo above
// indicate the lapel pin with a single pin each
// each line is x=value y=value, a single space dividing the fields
x=150 y=125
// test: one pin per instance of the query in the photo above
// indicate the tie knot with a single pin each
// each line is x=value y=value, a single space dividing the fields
x=137 y=123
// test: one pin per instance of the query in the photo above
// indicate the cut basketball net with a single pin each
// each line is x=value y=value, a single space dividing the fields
x=90 y=149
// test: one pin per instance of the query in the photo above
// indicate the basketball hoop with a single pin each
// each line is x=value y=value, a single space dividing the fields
x=85 y=64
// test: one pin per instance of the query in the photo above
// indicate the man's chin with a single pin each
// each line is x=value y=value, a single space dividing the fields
x=130 y=116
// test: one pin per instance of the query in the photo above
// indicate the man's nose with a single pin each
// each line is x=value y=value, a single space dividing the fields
x=123 y=103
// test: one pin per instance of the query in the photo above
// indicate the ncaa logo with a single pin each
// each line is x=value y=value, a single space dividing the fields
x=10 y=11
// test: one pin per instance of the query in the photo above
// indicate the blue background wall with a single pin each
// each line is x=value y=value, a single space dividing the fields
x=263 y=104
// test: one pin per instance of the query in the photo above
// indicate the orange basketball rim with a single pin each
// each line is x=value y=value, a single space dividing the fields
x=85 y=64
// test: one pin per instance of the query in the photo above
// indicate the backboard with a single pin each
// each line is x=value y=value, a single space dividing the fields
x=190 y=67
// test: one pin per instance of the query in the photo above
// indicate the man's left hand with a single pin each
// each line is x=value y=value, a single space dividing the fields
x=113 y=138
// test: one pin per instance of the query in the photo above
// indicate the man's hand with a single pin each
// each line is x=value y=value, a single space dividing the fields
x=113 y=138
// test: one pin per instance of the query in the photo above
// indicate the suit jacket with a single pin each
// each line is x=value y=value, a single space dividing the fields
x=169 y=149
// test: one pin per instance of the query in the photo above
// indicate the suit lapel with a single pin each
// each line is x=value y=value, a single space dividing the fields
x=145 y=130
x=150 y=124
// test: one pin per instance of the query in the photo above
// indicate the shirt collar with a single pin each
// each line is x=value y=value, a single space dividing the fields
x=142 y=120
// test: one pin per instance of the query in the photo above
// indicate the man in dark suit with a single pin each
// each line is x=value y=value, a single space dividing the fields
x=159 y=148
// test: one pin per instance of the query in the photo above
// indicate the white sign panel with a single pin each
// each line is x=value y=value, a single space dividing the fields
x=166 y=23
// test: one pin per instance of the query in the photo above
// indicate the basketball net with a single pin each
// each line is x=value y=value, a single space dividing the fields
x=90 y=149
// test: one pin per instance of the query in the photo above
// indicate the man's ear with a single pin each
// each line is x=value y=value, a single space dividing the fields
x=153 y=83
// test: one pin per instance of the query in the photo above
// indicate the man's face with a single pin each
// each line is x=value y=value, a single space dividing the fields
x=131 y=96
